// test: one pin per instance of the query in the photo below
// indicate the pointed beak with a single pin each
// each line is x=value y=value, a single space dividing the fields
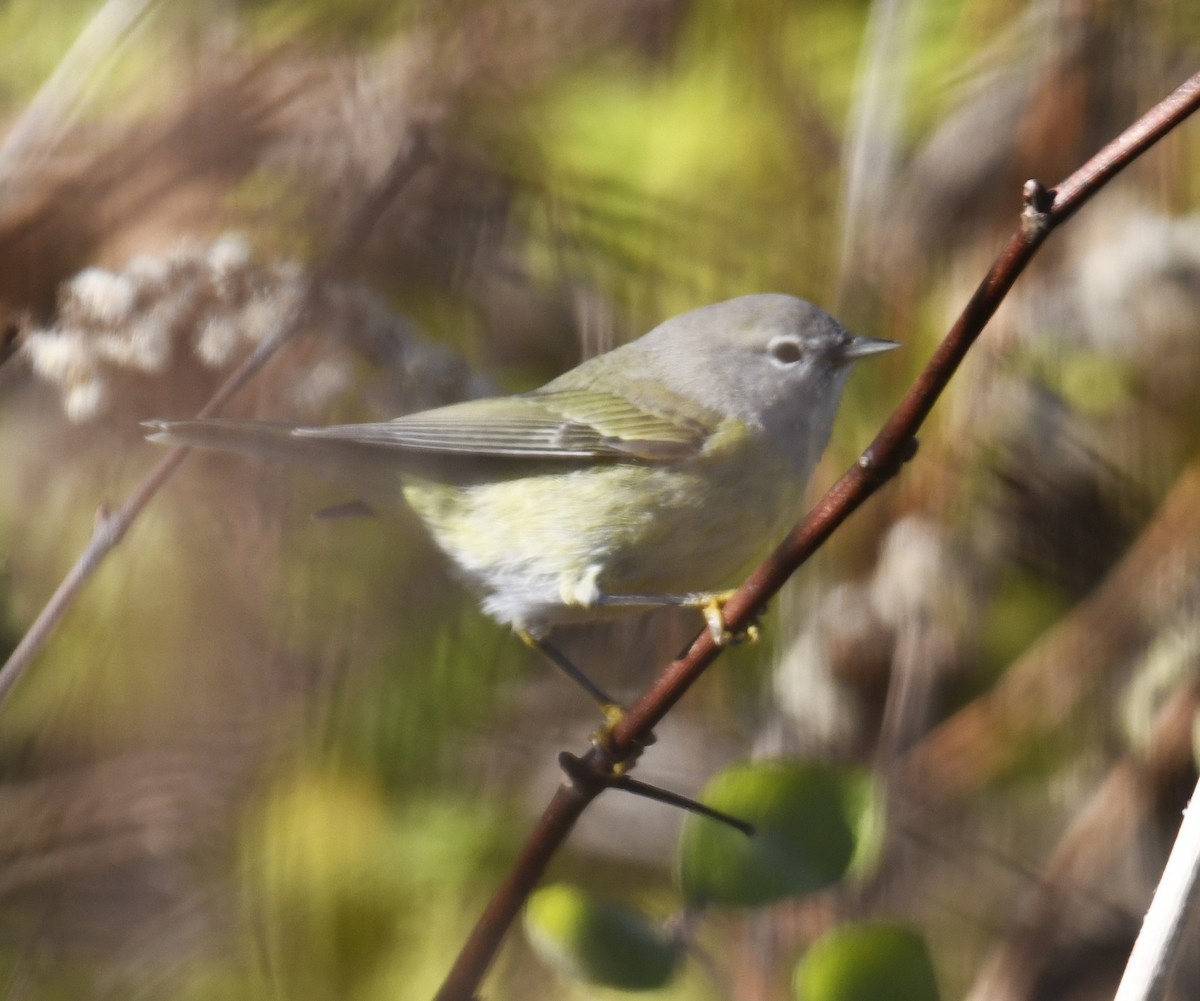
x=861 y=347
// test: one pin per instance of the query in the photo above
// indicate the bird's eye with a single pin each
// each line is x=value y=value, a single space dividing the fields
x=785 y=351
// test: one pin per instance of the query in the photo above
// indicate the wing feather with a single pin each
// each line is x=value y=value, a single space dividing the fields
x=557 y=424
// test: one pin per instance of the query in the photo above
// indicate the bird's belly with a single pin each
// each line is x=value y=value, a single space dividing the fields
x=544 y=549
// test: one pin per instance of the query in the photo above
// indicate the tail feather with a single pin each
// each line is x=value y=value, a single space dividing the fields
x=366 y=472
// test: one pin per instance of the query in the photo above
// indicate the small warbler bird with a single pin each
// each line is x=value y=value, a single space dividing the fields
x=646 y=476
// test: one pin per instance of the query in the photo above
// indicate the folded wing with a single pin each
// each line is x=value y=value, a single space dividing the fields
x=565 y=424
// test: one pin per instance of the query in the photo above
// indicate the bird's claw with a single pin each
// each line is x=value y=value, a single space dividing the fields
x=713 y=608
x=603 y=739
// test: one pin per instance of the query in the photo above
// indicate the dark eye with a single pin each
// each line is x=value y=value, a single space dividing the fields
x=785 y=351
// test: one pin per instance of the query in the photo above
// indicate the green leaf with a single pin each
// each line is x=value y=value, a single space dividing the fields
x=812 y=821
x=867 y=962
x=599 y=942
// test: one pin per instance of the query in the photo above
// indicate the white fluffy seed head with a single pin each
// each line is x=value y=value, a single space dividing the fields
x=59 y=356
x=98 y=296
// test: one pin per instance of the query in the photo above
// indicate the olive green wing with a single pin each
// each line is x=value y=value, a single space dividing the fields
x=545 y=424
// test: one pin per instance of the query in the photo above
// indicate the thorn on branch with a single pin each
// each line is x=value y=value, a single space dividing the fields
x=588 y=775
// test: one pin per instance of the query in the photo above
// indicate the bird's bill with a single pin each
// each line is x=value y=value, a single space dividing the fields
x=861 y=347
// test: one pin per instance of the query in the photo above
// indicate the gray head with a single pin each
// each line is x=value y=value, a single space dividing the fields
x=774 y=361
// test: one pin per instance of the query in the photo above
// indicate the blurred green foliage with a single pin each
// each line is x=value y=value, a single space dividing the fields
x=865 y=963
x=45 y=31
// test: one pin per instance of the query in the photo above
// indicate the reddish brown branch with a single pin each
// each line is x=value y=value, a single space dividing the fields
x=892 y=446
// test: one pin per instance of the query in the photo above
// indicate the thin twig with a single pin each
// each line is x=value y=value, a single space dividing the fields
x=111 y=526
x=892 y=446
x=1141 y=786
x=1158 y=942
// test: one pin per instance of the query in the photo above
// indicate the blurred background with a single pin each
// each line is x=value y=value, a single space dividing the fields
x=269 y=756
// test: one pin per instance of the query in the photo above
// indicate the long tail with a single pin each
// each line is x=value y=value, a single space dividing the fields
x=368 y=473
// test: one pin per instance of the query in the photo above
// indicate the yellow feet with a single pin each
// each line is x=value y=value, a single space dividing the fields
x=602 y=738
x=712 y=606
x=613 y=714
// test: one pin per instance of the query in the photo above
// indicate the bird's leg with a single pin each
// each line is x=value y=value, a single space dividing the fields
x=567 y=666
x=609 y=707
x=710 y=604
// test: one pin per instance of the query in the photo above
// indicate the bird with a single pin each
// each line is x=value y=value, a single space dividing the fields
x=649 y=475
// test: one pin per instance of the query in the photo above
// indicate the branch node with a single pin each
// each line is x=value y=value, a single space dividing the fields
x=891 y=464
x=1038 y=201
x=585 y=778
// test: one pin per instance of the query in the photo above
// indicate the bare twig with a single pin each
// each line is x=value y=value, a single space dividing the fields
x=111 y=526
x=891 y=448
x=1158 y=942
x=1141 y=787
